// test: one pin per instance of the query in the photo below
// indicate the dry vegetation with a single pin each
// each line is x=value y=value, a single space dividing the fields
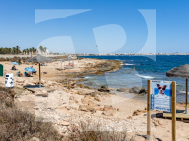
x=94 y=132
x=18 y=125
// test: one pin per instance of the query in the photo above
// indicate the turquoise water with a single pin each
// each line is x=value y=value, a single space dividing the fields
x=145 y=68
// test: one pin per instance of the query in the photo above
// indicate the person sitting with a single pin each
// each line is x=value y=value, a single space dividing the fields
x=20 y=74
x=33 y=72
x=43 y=64
x=72 y=64
x=27 y=74
x=13 y=67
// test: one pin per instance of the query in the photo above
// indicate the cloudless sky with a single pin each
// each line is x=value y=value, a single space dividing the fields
x=18 y=27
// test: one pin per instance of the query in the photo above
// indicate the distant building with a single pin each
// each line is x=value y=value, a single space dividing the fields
x=42 y=52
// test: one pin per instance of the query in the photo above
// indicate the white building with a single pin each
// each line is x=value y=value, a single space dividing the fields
x=42 y=52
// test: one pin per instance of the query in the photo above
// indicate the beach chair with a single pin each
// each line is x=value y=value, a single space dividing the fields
x=34 y=72
x=17 y=74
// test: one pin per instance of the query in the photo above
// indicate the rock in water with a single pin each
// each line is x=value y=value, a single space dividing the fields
x=104 y=89
x=121 y=90
x=137 y=90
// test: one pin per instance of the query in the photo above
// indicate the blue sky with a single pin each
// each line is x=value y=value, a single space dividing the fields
x=115 y=26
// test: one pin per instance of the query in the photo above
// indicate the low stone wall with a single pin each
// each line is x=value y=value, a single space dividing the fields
x=15 y=58
x=20 y=55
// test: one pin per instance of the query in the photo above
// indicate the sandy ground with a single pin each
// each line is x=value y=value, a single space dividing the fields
x=136 y=124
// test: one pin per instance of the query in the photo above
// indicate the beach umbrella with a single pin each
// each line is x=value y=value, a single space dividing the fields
x=14 y=63
x=60 y=60
x=181 y=71
x=39 y=59
x=29 y=69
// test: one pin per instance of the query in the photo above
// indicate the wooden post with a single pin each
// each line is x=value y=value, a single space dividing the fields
x=39 y=75
x=173 y=111
x=186 y=96
x=149 y=112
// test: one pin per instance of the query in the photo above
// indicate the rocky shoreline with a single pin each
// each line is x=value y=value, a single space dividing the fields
x=70 y=103
x=95 y=69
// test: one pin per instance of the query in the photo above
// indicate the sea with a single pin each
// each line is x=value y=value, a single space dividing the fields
x=136 y=70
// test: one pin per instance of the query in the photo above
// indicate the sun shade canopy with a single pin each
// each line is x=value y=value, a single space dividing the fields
x=39 y=59
x=60 y=60
x=181 y=71
x=69 y=59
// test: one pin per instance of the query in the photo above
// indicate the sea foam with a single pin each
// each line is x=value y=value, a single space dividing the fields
x=128 y=64
x=146 y=77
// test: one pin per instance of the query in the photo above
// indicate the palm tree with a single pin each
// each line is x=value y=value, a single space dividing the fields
x=17 y=49
x=30 y=50
x=27 y=50
x=41 y=48
x=1 y=50
x=45 y=49
x=24 y=51
x=34 y=50
x=5 y=50
x=13 y=50
x=9 y=50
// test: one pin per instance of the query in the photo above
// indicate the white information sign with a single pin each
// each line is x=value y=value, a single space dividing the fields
x=161 y=95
